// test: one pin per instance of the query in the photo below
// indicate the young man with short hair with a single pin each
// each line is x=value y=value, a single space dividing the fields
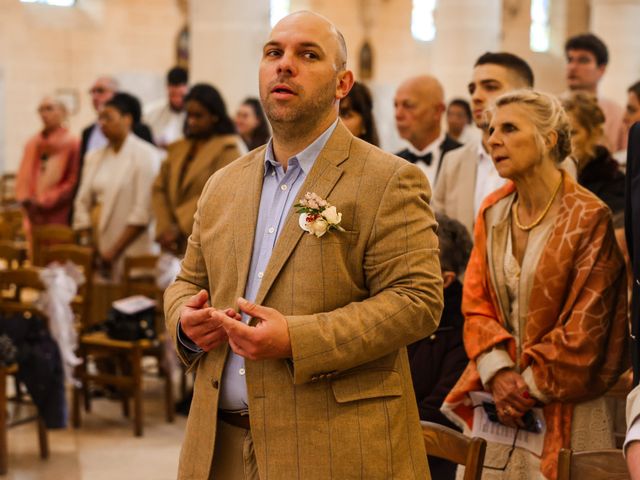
x=587 y=60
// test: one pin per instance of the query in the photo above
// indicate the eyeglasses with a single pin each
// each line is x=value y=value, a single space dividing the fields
x=97 y=90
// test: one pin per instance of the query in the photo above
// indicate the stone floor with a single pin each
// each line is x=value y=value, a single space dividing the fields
x=104 y=448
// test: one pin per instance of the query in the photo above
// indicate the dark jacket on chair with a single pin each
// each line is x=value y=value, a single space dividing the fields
x=436 y=364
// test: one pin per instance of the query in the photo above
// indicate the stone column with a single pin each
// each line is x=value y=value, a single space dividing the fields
x=616 y=23
x=465 y=29
x=226 y=45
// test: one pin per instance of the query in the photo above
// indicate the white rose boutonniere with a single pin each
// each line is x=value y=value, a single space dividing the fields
x=317 y=216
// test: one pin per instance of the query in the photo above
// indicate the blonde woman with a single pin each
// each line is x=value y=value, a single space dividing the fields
x=544 y=297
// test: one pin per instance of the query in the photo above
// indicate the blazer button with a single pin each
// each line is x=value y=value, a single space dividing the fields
x=215 y=383
x=432 y=337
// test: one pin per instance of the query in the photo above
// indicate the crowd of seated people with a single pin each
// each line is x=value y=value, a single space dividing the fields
x=524 y=187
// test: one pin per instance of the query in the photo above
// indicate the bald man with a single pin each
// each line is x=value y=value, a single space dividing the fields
x=312 y=263
x=419 y=106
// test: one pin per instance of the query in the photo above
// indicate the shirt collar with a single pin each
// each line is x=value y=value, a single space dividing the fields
x=433 y=147
x=306 y=158
x=482 y=154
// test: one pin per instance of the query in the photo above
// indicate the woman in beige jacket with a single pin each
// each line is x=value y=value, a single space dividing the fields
x=209 y=145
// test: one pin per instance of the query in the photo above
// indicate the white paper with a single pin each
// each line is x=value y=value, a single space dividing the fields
x=134 y=304
x=498 y=433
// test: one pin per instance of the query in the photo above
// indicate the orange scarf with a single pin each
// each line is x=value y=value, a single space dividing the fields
x=575 y=339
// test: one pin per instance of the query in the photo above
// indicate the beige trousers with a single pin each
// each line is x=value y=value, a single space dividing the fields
x=233 y=457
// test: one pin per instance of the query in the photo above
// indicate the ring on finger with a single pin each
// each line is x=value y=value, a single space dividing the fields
x=507 y=411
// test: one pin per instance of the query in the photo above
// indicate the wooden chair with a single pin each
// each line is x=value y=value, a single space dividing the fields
x=11 y=224
x=7 y=189
x=446 y=443
x=129 y=379
x=12 y=254
x=48 y=235
x=592 y=464
x=23 y=280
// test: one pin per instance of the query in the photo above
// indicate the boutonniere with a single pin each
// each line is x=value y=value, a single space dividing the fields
x=317 y=216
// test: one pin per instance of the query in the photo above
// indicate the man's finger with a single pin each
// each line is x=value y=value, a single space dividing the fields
x=199 y=300
x=252 y=309
x=196 y=317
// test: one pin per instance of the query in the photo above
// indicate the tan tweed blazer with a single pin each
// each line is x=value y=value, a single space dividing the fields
x=343 y=407
x=175 y=196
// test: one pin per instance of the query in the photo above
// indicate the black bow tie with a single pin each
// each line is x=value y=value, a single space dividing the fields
x=413 y=158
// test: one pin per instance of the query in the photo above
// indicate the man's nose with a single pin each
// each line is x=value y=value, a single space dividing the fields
x=286 y=64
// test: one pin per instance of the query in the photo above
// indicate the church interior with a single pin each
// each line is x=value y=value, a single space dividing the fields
x=58 y=48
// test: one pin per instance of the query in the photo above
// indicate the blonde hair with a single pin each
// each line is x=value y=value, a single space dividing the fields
x=547 y=115
x=587 y=112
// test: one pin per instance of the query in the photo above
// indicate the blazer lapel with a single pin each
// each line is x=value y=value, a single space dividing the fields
x=208 y=152
x=180 y=151
x=321 y=179
x=466 y=188
x=247 y=205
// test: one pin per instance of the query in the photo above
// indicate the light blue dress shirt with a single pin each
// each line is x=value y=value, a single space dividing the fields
x=280 y=190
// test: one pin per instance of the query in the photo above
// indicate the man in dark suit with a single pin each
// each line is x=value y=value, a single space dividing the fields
x=437 y=361
x=419 y=106
x=632 y=231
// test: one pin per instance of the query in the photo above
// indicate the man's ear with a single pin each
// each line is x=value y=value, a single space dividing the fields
x=448 y=278
x=344 y=84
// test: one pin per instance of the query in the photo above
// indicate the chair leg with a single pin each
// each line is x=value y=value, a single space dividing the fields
x=136 y=365
x=43 y=439
x=3 y=422
x=165 y=371
x=183 y=382
x=83 y=377
x=75 y=412
x=125 y=404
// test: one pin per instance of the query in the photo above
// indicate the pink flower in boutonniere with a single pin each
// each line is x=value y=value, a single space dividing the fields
x=317 y=216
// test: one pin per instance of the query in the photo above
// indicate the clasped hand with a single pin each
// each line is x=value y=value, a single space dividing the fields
x=209 y=328
x=512 y=397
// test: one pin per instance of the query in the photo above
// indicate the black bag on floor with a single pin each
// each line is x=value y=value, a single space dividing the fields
x=132 y=319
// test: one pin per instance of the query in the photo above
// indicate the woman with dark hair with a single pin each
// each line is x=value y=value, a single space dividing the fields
x=113 y=201
x=356 y=111
x=210 y=143
x=252 y=124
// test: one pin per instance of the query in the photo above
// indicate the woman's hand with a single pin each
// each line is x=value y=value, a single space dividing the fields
x=512 y=397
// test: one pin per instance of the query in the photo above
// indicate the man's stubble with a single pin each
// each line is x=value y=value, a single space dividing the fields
x=288 y=122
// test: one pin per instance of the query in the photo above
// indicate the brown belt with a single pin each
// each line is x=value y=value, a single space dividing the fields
x=236 y=419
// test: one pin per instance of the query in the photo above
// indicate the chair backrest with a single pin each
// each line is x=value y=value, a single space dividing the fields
x=48 y=235
x=11 y=224
x=7 y=188
x=592 y=464
x=139 y=278
x=444 y=442
x=23 y=285
x=82 y=257
x=12 y=254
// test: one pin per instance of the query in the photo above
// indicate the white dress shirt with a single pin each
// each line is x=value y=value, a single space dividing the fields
x=487 y=179
x=431 y=171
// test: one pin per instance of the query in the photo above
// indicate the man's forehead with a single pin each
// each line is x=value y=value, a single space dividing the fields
x=491 y=72
x=304 y=29
x=580 y=53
